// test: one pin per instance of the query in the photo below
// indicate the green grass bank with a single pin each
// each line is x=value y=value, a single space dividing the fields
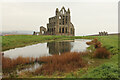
x=13 y=41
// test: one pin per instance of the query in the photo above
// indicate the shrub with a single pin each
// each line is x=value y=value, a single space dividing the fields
x=89 y=43
x=95 y=42
x=60 y=63
x=8 y=63
x=101 y=53
x=98 y=51
x=63 y=63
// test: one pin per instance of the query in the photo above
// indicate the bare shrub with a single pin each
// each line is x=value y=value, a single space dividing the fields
x=101 y=53
x=89 y=43
x=8 y=63
x=62 y=63
x=95 y=42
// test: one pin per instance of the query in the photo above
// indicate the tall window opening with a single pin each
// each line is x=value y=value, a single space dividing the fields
x=59 y=30
x=62 y=30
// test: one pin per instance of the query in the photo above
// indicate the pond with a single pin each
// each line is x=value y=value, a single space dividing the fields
x=48 y=48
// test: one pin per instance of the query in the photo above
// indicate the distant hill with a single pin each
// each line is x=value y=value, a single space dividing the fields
x=16 y=33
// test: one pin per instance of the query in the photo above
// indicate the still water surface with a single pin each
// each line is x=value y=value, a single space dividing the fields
x=48 y=48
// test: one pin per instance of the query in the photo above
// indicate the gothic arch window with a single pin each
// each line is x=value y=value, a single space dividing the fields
x=59 y=17
x=48 y=29
x=61 y=12
x=63 y=21
x=63 y=30
x=43 y=32
x=66 y=19
x=59 y=30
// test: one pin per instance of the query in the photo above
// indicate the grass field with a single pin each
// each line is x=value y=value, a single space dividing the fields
x=101 y=68
x=10 y=42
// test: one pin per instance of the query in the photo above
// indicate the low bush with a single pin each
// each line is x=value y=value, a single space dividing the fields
x=8 y=63
x=64 y=62
x=98 y=50
x=95 y=42
x=60 y=63
x=101 y=53
x=89 y=43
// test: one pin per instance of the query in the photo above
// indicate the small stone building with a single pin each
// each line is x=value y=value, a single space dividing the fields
x=60 y=24
x=42 y=31
x=103 y=33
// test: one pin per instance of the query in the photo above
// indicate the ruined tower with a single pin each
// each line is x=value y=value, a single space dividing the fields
x=61 y=24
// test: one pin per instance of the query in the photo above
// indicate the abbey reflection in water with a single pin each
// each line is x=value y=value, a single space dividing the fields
x=59 y=47
x=48 y=48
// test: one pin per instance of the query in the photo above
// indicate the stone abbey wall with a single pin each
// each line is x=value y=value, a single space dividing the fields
x=60 y=24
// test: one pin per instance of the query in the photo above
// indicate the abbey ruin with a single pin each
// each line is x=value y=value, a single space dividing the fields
x=60 y=24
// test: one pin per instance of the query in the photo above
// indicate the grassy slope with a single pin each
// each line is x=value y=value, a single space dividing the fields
x=111 y=43
x=108 y=68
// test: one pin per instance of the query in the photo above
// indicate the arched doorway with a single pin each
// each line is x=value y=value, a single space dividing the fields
x=42 y=30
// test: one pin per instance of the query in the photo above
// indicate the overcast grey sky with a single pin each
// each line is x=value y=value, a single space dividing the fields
x=87 y=16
